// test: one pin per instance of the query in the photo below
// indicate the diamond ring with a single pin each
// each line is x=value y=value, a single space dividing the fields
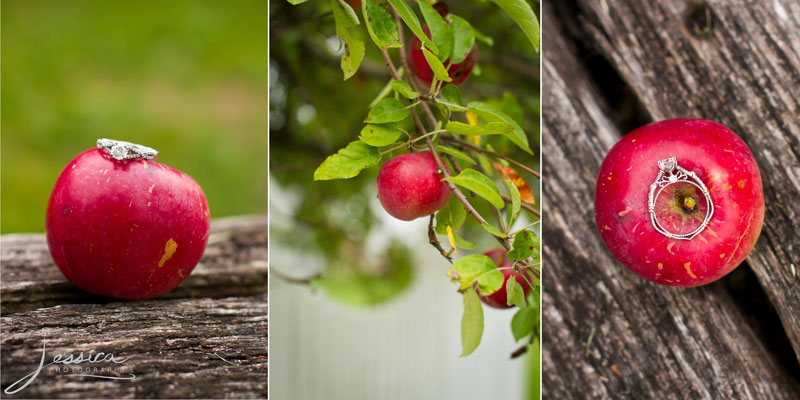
x=120 y=150
x=670 y=173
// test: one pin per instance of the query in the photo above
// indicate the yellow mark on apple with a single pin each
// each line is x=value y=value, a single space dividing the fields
x=169 y=250
x=627 y=210
x=144 y=164
x=740 y=184
x=150 y=189
x=660 y=266
x=669 y=247
x=688 y=267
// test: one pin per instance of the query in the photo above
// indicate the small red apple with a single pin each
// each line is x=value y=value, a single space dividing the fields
x=721 y=161
x=499 y=298
x=409 y=187
x=128 y=228
x=419 y=65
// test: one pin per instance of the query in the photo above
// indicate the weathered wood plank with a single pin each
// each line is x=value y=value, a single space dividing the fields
x=182 y=348
x=234 y=264
x=647 y=341
x=743 y=71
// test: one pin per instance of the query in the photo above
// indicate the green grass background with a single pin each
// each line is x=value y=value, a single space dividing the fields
x=187 y=77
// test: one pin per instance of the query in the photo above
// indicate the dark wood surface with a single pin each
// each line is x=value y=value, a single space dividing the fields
x=205 y=339
x=609 y=66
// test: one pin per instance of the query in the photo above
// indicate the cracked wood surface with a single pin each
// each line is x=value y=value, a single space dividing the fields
x=647 y=341
x=743 y=73
x=205 y=339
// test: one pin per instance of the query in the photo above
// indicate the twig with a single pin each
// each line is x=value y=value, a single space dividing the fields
x=434 y=241
x=520 y=351
x=589 y=341
x=523 y=204
x=479 y=149
x=525 y=227
x=298 y=281
x=231 y=363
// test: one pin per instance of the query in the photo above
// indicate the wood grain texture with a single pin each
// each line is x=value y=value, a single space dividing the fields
x=205 y=339
x=647 y=341
x=743 y=72
x=182 y=348
x=234 y=264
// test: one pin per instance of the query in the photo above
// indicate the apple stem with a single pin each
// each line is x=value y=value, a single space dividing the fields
x=689 y=203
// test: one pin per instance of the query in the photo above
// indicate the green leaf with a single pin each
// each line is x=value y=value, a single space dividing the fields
x=522 y=13
x=489 y=113
x=523 y=322
x=483 y=38
x=440 y=30
x=466 y=269
x=526 y=244
x=346 y=23
x=486 y=164
x=516 y=203
x=514 y=293
x=451 y=94
x=462 y=243
x=492 y=128
x=380 y=134
x=348 y=162
x=491 y=229
x=388 y=110
x=296 y=2
x=452 y=214
x=490 y=282
x=471 y=323
x=456 y=153
x=479 y=184
x=380 y=24
x=439 y=72
x=404 y=89
x=464 y=38
x=407 y=15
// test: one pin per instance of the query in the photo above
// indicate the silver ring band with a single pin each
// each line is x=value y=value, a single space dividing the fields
x=669 y=173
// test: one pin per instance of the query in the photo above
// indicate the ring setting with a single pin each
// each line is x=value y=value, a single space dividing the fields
x=120 y=150
x=671 y=173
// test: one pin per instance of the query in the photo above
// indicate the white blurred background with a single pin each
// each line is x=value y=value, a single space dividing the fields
x=407 y=348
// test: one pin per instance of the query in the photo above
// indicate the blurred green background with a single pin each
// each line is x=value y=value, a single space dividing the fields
x=186 y=77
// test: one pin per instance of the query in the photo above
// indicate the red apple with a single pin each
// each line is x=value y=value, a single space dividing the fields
x=419 y=65
x=720 y=160
x=499 y=298
x=128 y=229
x=409 y=187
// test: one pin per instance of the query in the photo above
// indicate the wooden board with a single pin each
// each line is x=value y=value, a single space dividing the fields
x=742 y=71
x=606 y=332
x=205 y=339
